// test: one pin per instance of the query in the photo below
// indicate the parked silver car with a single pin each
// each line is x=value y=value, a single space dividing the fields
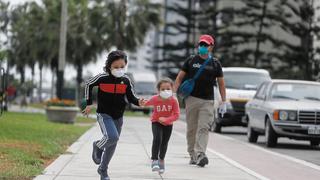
x=285 y=108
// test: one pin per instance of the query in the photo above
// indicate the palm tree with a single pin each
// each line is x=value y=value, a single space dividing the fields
x=83 y=43
x=4 y=21
x=27 y=47
x=41 y=44
x=126 y=22
x=19 y=53
x=92 y=29
x=51 y=34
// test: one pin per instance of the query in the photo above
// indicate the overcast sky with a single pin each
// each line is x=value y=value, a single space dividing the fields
x=19 y=1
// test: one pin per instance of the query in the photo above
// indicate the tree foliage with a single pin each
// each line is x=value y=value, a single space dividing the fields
x=93 y=27
x=177 y=36
x=275 y=35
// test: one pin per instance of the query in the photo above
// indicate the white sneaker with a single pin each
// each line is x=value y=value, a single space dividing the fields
x=161 y=166
x=155 y=165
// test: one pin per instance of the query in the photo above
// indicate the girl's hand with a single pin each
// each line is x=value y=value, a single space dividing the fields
x=162 y=120
x=86 y=111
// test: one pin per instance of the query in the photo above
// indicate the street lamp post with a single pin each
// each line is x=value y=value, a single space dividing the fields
x=62 y=47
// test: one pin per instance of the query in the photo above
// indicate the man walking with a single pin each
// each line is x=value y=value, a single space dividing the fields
x=200 y=103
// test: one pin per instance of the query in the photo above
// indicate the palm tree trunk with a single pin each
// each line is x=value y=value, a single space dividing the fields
x=257 y=51
x=40 y=83
x=52 y=82
x=7 y=82
x=22 y=74
x=120 y=20
x=32 y=83
x=79 y=81
x=59 y=86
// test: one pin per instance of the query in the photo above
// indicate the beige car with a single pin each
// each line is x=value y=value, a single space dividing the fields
x=285 y=108
x=144 y=85
x=241 y=85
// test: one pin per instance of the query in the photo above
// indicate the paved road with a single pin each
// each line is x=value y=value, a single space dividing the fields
x=256 y=160
x=291 y=159
x=297 y=149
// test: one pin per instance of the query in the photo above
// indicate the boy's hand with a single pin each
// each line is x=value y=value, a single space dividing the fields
x=86 y=111
x=142 y=102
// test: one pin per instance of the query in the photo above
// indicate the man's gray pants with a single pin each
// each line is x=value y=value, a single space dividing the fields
x=199 y=116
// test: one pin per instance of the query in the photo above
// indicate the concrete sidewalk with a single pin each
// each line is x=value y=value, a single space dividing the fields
x=131 y=160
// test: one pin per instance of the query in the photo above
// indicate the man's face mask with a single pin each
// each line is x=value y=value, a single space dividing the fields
x=203 y=49
x=118 y=72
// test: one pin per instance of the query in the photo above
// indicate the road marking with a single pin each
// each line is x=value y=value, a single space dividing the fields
x=299 y=161
x=230 y=161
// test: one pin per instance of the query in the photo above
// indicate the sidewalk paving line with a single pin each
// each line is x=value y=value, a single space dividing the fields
x=232 y=162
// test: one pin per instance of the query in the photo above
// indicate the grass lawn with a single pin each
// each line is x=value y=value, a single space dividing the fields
x=93 y=111
x=84 y=120
x=28 y=143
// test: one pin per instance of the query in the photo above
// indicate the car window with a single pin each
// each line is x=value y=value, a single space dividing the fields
x=267 y=89
x=145 y=88
x=244 y=80
x=296 y=91
x=261 y=91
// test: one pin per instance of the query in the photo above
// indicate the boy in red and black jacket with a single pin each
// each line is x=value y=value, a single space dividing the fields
x=113 y=87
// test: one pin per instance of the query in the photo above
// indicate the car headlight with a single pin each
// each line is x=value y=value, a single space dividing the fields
x=283 y=115
x=286 y=115
x=292 y=116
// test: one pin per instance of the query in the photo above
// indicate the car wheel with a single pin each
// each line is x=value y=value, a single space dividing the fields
x=252 y=134
x=215 y=127
x=314 y=143
x=271 y=136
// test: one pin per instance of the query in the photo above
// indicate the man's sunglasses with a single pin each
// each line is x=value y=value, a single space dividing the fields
x=203 y=44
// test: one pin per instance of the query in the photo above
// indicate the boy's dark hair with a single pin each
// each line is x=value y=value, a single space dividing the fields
x=113 y=56
x=164 y=80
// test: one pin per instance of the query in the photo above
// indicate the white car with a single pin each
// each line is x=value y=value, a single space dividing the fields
x=285 y=108
x=241 y=85
x=144 y=84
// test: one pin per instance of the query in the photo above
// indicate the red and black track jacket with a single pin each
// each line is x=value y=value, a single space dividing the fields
x=111 y=94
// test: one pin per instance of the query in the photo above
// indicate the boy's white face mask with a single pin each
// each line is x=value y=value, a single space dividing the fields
x=166 y=94
x=118 y=72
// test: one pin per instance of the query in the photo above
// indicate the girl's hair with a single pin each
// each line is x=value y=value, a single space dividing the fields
x=164 y=80
x=113 y=56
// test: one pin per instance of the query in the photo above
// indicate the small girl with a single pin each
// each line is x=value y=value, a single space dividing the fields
x=165 y=111
x=114 y=87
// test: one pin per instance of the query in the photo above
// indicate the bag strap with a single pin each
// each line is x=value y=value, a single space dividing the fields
x=196 y=76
